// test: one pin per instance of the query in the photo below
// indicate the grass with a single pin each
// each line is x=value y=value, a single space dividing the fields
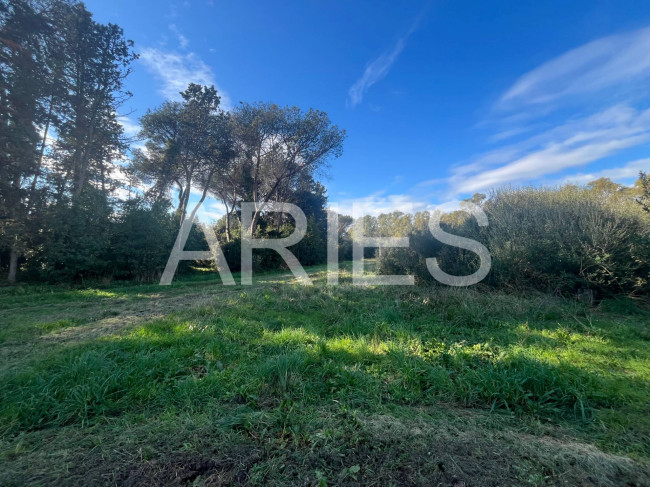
x=280 y=384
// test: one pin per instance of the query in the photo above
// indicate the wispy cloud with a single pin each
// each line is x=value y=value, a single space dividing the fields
x=611 y=61
x=628 y=172
x=573 y=144
x=210 y=211
x=377 y=203
x=182 y=40
x=379 y=67
x=130 y=127
x=557 y=113
x=175 y=71
x=374 y=72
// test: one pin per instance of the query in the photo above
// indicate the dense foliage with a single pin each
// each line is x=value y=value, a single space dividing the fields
x=76 y=204
x=593 y=240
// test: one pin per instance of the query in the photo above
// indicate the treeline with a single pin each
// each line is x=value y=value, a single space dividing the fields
x=592 y=240
x=76 y=204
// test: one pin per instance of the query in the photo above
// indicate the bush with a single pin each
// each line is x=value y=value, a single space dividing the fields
x=564 y=240
x=422 y=245
x=311 y=250
x=142 y=239
x=232 y=252
x=567 y=239
x=75 y=243
x=87 y=241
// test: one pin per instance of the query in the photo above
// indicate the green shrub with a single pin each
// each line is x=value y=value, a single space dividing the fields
x=566 y=240
x=142 y=238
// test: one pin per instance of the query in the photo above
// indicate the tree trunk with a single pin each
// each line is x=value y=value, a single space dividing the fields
x=256 y=217
x=13 y=266
x=80 y=178
x=280 y=216
x=43 y=146
x=228 y=234
x=83 y=160
x=182 y=207
x=102 y=177
x=198 y=205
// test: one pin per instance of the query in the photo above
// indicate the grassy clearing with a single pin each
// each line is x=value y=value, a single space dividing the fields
x=276 y=384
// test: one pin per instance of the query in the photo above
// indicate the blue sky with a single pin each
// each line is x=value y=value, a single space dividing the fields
x=440 y=99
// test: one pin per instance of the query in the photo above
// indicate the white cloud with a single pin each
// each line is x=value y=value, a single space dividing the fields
x=125 y=180
x=378 y=203
x=175 y=71
x=210 y=211
x=607 y=62
x=130 y=127
x=556 y=141
x=374 y=72
x=575 y=143
x=378 y=68
x=628 y=172
x=182 y=40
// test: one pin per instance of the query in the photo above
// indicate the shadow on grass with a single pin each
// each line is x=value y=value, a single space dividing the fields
x=189 y=364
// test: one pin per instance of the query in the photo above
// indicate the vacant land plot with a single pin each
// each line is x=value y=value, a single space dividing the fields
x=279 y=384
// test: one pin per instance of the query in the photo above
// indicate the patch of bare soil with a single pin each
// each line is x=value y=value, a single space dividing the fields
x=463 y=461
x=380 y=450
x=223 y=468
x=453 y=456
x=384 y=450
x=130 y=313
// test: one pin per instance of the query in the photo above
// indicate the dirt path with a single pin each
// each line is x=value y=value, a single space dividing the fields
x=94 y=318
x=97 y=318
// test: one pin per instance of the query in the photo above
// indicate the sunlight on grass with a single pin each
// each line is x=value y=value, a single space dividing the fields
x=97 y=292
x=58 y=325
x=290 y=363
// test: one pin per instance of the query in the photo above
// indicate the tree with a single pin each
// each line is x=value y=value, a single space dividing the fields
x=58 y=33
x=477 y=199
x=23 y=86
x=143 y=233
x=58 y=69
x=278 y=144
x=644 y=185
x=89 y=135
x=311 y=197
x=604 y=186
x=232 y=188
x=62 y=74
x=76 y=245
x=394 y=224
x=188 y=144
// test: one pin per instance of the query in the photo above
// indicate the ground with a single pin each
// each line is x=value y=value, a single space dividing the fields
x=280 y=384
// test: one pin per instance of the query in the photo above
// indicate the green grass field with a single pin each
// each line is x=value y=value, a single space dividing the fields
x=280 y=384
